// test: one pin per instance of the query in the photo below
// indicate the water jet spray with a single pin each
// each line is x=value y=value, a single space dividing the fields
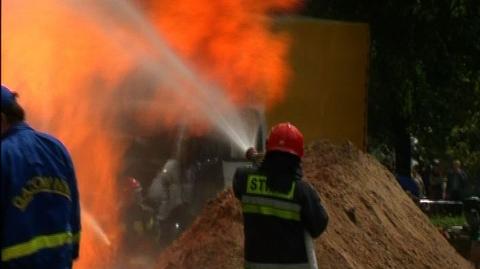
x=92 y=223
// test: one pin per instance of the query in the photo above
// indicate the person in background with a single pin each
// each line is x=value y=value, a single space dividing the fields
x=409 y=185
x=136 y=214
x=476 y=186
x=425 y=172
x=438 y=182
x=457 y=182
x=281 y=211
x=471 y=207
x=39 y=202
x=406 y=182
x=418 y=180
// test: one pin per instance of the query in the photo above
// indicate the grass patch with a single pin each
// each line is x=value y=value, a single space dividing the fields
x=445 y=221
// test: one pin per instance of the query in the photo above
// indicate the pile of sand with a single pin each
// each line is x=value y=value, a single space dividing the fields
x=373 y=223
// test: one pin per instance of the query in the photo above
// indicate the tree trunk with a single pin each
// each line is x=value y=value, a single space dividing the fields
x=403 y=148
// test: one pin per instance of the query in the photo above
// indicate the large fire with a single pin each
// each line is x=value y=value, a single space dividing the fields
x=75 y=63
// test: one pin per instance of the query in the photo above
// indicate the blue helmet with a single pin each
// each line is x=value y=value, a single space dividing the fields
x=8 y=97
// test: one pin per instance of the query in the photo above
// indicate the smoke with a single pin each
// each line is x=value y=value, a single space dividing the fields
x=91 y=72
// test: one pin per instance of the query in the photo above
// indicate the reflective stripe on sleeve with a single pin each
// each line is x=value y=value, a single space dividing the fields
x=38 y=243
x=270 y=207
x=255 y=265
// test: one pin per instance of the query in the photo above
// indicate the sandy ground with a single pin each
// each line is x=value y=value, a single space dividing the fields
x=373 y=223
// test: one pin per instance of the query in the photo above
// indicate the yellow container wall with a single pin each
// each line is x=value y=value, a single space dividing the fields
x=326 y=95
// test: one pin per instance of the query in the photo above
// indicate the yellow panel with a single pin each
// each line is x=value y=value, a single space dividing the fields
x=326 y=96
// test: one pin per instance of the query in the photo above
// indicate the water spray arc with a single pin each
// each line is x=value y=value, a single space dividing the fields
x=93 y=224
x=168 y=71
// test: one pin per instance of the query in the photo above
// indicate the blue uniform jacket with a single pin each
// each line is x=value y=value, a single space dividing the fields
x=408 y=184
x=40 y=212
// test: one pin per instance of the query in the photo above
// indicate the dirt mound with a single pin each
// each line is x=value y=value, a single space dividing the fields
x=373 y=223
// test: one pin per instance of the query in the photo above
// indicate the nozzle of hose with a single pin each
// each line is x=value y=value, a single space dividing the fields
x=251 y=154
x=254 y=156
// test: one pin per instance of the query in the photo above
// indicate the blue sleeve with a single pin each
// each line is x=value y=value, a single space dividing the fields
x=4 y=176
x=75 y=221
x=5 y=181
x=3 y=200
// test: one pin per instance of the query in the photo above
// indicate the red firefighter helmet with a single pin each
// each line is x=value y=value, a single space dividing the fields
x=287 y=138
x=132 y=185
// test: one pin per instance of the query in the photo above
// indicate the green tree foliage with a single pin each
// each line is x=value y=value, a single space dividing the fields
x=424 y=74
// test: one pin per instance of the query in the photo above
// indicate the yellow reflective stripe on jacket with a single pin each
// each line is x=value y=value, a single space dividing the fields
x=257 y=184
x=271 y=211
x=272 y=202
x=38 y=243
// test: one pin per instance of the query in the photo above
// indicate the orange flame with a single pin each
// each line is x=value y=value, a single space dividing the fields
x=230 y=41
x=74 y=79
x=48 y=57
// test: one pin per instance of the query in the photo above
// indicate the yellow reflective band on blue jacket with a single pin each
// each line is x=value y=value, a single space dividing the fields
x=38 y=243
x=257 y=184
x=271 y=211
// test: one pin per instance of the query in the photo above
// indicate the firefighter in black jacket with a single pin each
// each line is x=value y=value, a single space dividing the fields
x=281 y=212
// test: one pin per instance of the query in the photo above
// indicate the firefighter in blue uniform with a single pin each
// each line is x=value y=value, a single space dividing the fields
x=39 y=207
x=281 y=212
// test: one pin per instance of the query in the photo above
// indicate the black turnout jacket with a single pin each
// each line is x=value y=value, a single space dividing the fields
x=278 y=208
